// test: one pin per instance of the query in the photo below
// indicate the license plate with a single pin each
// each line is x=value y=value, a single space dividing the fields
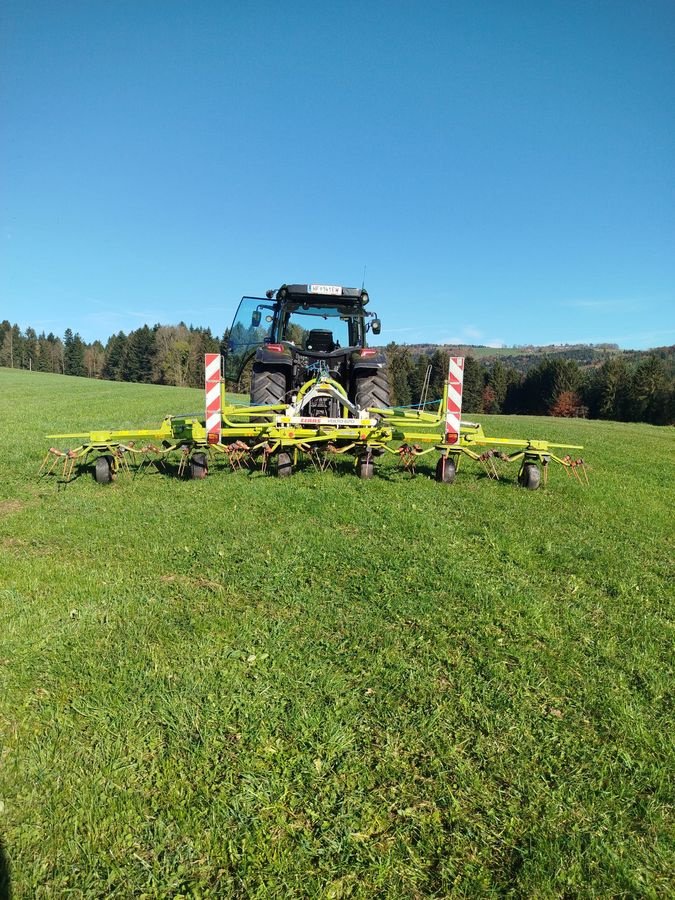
x=333 y=290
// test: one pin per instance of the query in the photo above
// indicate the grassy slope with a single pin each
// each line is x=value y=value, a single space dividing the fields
x=323 y=686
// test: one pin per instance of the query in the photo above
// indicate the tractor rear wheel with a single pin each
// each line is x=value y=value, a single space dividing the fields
x=268 y=385
x=198 y=465
x=103 y=471
x=530 y=476
x=372 y=389
x=284 y=465
x=446 y=470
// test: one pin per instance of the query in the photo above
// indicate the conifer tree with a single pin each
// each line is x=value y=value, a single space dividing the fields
x=474 y=382
x=73 y=354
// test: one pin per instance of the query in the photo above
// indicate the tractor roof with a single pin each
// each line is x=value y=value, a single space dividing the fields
x=321 y=293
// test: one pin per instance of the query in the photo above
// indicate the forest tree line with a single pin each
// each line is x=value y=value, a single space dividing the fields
x=625 y=387
x=637 y=391
x=164 y=354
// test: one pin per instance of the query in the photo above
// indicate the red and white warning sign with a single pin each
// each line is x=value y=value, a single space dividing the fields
x=454 y=411
x=212 y=388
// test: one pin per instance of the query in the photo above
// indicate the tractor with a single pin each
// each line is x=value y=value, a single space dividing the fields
x=301 y=332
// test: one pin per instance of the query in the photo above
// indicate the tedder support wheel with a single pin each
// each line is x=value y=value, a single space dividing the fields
x=284 y=465
x=530 y=476
x=446 y=470
x=103 y=471
x=364 y=466
x=372 y=389
x=198 y=465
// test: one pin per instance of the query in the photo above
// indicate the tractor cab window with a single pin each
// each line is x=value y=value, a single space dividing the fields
x=317 y=328
x=252 y=326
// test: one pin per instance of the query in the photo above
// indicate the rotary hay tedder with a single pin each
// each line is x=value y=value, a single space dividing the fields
x=275 y=437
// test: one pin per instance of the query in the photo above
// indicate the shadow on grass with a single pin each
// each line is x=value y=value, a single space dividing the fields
x=5 y=884
x=58 y=478
x=503 y=479
x=398 y=475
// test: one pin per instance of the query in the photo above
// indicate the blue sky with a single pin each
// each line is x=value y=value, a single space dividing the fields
x=502 y=168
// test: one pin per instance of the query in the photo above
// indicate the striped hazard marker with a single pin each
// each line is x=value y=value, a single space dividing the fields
x=454 y=410
x=212 y=388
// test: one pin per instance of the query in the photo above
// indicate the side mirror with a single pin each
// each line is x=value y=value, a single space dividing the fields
x=376 y=326
x=256 y=318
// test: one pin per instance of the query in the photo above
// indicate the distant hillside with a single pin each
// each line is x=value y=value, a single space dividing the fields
x=524 y=358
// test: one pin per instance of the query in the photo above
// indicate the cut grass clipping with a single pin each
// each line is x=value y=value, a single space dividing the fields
x=327 y=687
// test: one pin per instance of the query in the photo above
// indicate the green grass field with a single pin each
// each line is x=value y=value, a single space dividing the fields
x=327 y=687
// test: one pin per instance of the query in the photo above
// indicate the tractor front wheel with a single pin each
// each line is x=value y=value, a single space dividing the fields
x=530 y=476
x=446 y=470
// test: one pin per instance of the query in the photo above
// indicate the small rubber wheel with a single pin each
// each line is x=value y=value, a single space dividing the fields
x=364 y=467
x=446 y=470
x=103 y=471
x=530 y=477
x=198 y=465
x=284 y=465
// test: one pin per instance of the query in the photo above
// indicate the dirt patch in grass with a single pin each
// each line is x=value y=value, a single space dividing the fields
x=7 y=507
x=188 y=581
x=22 y=549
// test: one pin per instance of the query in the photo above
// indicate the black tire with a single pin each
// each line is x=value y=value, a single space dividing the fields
x=530 y=477
x=198 y=467
x=268 y=385
x=364 y=466
x=284 y=464
x=103 y=470
x=372 y=389
x=446 y=470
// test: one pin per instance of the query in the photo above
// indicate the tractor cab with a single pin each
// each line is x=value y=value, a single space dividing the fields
x=302 y=322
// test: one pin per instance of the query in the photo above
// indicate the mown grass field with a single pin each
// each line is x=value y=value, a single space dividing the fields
x=326 y=687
